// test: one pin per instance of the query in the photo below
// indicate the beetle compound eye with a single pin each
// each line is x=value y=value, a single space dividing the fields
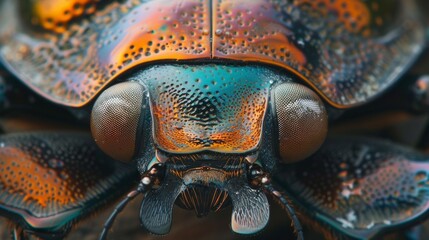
x=115 y=119
x=301 y=119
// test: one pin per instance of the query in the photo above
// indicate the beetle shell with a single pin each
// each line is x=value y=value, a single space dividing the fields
x=215 y=80
x=327 y=44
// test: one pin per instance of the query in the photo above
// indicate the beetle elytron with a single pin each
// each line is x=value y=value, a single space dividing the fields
x=213 y=102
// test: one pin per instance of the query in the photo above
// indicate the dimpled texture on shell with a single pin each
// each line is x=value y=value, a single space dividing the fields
x=49 y=179
x=207 y=107
x=348 y=51
x=360 y=186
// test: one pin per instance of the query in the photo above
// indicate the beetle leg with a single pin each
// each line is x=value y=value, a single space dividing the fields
x=16 y=232
x=360 y=187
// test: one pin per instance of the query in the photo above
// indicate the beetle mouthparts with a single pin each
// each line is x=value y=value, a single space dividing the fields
x=156 y=211
x=203 y=199
x=250 y=212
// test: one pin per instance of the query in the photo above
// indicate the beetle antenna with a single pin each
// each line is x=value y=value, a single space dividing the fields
x=284 y=202
x=259 y=179
x=151 y=177
x=118 y=209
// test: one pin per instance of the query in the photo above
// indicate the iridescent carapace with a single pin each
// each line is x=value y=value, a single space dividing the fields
x=84 y=45
x=207 y=107
x=48 y=179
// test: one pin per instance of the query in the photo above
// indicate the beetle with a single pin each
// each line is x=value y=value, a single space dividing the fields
x=210 y=103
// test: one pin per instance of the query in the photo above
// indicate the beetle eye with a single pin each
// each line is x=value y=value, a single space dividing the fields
x=115 y=119
x=301 y=121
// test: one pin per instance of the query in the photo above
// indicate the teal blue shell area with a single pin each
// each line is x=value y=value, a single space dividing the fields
x=220 y=107
x=347 y=51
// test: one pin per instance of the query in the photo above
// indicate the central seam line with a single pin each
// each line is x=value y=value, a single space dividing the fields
x=211 y=6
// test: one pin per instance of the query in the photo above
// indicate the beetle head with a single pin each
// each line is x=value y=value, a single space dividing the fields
x=216 y=108
x=208 y=124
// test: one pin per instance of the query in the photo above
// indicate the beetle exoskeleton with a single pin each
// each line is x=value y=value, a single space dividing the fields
x=209 y=103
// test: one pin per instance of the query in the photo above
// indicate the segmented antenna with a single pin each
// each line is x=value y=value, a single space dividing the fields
x=151 y=177
x=118 y=209
x=286 y=206
x=258 y=178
